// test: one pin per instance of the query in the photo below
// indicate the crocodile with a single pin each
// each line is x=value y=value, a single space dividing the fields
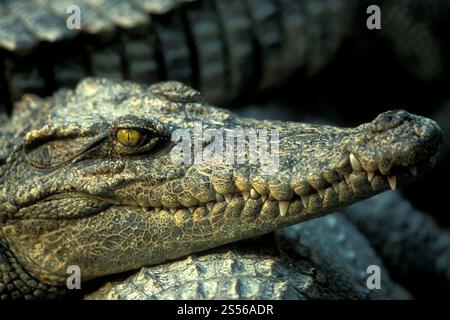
x=225 y=50
x=89 y=177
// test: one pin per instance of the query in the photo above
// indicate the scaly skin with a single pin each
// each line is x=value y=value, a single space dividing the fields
x=224 y=49
x=72 y=194
x=324 y=258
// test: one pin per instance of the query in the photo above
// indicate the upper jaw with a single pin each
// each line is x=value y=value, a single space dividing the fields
x=353 y=164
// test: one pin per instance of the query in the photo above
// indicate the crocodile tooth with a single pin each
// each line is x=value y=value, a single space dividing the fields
x=264 y=197
x=157 y=210
x=356 y=165
x=191 y=209
x=210 y=205
x=283 y=206
x=254 y=194
x=335 y=186
x=321 y=193
x=228 y=197
x=246 y=195
x=370 y=175
x=219 y=197
x=173 y=210
x=347 y=179
x=392 y=182
x=413 y=171
x=305 y=200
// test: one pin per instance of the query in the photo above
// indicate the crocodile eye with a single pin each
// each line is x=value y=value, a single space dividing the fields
x=130 y=137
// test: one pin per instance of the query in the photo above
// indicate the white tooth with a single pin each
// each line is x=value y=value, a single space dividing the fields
x=392 y=181
x=321 y=193
x=191 y=209
x=173 y=210
x=283 y=206
x=370 y=176
x=264 y=197
x=219 y=197
x=413 y=171
x=356 y=165
x=253 y=194
x=228 y=197
x=246 y=195
x=335 y=186
x=157 y=210
x=210 y=205
x=305 y=200
x=347 y=179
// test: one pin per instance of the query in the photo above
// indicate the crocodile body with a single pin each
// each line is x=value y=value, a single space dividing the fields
x=73 y=192
x=222 y=49
x=225 y=50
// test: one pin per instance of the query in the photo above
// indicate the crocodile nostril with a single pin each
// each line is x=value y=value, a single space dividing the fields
x=389 y=120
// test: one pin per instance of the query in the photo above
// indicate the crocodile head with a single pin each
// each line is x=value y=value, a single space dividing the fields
x=91 y=177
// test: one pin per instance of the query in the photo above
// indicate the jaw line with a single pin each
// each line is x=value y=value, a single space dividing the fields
x=336 y=187
x=390 y=182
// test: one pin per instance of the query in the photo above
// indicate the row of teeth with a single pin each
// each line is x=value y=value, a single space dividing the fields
x=392 y=180
x=284 y=205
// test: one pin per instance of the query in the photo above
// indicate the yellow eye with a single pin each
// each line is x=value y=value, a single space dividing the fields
x=129 y=137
